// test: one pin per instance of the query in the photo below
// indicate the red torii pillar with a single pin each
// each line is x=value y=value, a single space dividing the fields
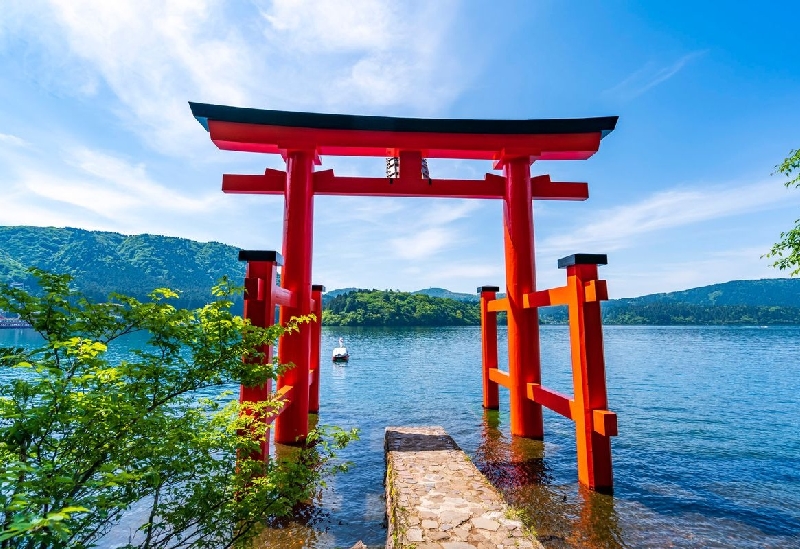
x=298 y=234
x=259 y=308
x=523 y=324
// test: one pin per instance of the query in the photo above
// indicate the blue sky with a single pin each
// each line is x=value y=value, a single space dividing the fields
x=95 y=130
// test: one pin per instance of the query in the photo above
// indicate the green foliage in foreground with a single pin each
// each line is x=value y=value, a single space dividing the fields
x=84 y=436
x=786 y=253
x=388 y=308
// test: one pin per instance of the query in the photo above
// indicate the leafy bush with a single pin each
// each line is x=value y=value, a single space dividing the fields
x=84 y=437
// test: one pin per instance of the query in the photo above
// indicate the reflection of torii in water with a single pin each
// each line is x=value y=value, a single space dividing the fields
x=340 y=352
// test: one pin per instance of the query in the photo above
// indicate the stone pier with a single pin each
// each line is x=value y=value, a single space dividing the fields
x=437 y=499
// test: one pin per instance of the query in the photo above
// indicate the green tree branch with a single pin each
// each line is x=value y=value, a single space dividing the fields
x=786 y=252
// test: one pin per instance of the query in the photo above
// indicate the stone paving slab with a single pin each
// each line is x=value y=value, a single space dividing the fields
x=437 y=499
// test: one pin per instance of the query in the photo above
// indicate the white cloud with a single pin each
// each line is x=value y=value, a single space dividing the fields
x=396 y=52
x=12 y=140
x=154 y=56
x=355 y=209
x=457 y=271
x=422 y=243
x=135 y=184
x=650 y=76
x=429 y=230
x=314 y=26
x=21 y=208
x=95 y=190
x=443 y=212
x=626 y=225
x=90 y=196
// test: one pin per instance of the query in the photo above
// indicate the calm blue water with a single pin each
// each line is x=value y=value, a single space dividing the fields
x=708 y=453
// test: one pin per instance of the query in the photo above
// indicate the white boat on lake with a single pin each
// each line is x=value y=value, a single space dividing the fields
x=340 y=353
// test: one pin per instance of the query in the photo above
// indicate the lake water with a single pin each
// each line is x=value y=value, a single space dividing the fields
x=708 y=453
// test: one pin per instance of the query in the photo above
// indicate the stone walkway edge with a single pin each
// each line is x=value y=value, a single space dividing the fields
x=437 y=499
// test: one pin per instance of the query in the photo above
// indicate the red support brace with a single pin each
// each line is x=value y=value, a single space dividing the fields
x=316 y=343
x=491 y=398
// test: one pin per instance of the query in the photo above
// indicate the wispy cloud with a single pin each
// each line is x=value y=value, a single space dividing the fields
x=626 y=225
x=422 y=243
x=429 y=232
x=133 y=182
x=649 y=76
x=94 y=189
x=12 y=140
x=442 y=274
x=154 y=56
x=396 y=53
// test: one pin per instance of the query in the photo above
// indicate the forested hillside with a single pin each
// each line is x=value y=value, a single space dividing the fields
x=102 y=262
x=388 y=308
x=767 y=292
x=672 y=314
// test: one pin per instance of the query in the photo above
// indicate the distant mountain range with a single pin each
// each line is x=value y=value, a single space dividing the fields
x=328 y=296
x=102 y=262
x=767 y=292
x=770 y=301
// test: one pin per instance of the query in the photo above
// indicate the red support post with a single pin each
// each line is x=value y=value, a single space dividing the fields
x=316 y=343
x=588 y=372
x=291 y=427
x=523 y=324
x=491 y=398
x=262 y=268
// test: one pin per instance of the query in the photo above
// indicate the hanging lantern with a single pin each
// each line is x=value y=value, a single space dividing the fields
x=393 y=168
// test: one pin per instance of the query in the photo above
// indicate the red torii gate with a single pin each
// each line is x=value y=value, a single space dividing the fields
x=513 y=145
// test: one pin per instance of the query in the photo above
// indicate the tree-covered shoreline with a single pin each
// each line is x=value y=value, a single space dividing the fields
x=393 y=308
x=104 y=262
x=685 y=314
x=101 y=262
